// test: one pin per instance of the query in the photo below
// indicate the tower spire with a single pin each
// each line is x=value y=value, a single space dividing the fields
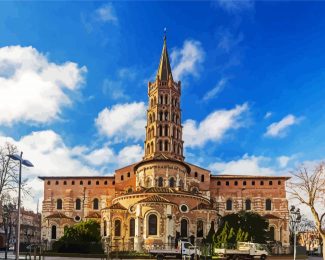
x=164 y=70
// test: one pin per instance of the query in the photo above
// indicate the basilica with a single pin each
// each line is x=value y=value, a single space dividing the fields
x=161 y=198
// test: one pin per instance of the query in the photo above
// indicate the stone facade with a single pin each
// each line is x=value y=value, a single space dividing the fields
x=161 y=198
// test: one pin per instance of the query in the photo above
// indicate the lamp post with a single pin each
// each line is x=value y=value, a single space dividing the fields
x=295 y=219
x=27 y=163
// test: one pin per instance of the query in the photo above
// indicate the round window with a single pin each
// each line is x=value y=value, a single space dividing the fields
x=184 y=208
x=77 y=218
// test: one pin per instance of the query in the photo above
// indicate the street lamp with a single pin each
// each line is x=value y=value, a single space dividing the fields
x=295 y=220
x=27 y=163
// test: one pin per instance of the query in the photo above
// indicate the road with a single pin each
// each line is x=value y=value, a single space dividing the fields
x=11 y=256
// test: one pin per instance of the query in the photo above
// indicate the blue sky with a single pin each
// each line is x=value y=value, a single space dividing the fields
x=74 y=82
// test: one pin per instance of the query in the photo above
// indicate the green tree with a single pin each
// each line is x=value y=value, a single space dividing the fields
x=83 y=237
x=241 y=227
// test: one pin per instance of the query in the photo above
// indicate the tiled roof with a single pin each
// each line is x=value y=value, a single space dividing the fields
x=93 y=215
x=271 y=216
x=155 y=198
x=116 y=206
x=58 y=215
x=233 y=176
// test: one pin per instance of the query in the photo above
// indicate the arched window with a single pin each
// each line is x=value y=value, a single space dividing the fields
x=160 y=182
x=174 y=131
x=53 y=232
x=166 y=130
x=271 y=233
x=268 y=204
x=166 y=145
x=166 y=99
x=148 y=148
x=153 y=225
x=152 y=147
x=184 y=225
x=160 y=145
x=202 y=178
x=78 y=204
x=248 y=204
x=59 y=204
x=160 y=115
x=153 y=117
x=117 y=228
x=95 y=204
x=195 y=174
x=229 y=204
x=166 y=116
x=150 y=118
x=132 y=227
x=199 y=228
x=160 y=99
x=172 y=182
x=105 y=228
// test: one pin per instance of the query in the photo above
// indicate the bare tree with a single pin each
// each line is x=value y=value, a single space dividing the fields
x=308 y=187
x=8 y=168
x=9 y=219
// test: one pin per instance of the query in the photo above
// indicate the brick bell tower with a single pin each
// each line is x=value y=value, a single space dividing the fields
x=164 y=129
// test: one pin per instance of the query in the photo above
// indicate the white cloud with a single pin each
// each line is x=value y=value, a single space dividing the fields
x=268 y=115
x=123 y=121
x=52 y=157
x=106 y=14
x=236 y=6
x=216 y=90
x=247 y=165
x=130 y=154
x=283 y=161
x=279 y=129
x=214 y=126
x=187 y=60
x=33 y=89
x=229 y=41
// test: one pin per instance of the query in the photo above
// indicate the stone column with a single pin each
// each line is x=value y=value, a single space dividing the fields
x=137 y=235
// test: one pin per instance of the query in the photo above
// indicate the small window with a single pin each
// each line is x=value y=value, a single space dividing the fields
x=236 y=183
x=219 y=183
x=113 y=182
x=268 y=204
x=195 y=174
x=171 y=182
x=270 y=183
x=95 y=204
x=59 y=204
x=72 y=183
x=253 y=183
x=261 y=183
x=105 y=182
x=153 y=225
x=227 y=183
x=248 y=204
x=229 y=204
x=53 y=232
x=129 y=175
x=77 y=218
x=122 y=177
x=81 y=183
x=279 y=182
x=65 y=183
x=78 y=204
x=97 y=182
x=132 y=227
x=244 y=183
x=202 y=178
x=57 y=183
x=160 y=182
x=89 y=182
x=48 y=183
